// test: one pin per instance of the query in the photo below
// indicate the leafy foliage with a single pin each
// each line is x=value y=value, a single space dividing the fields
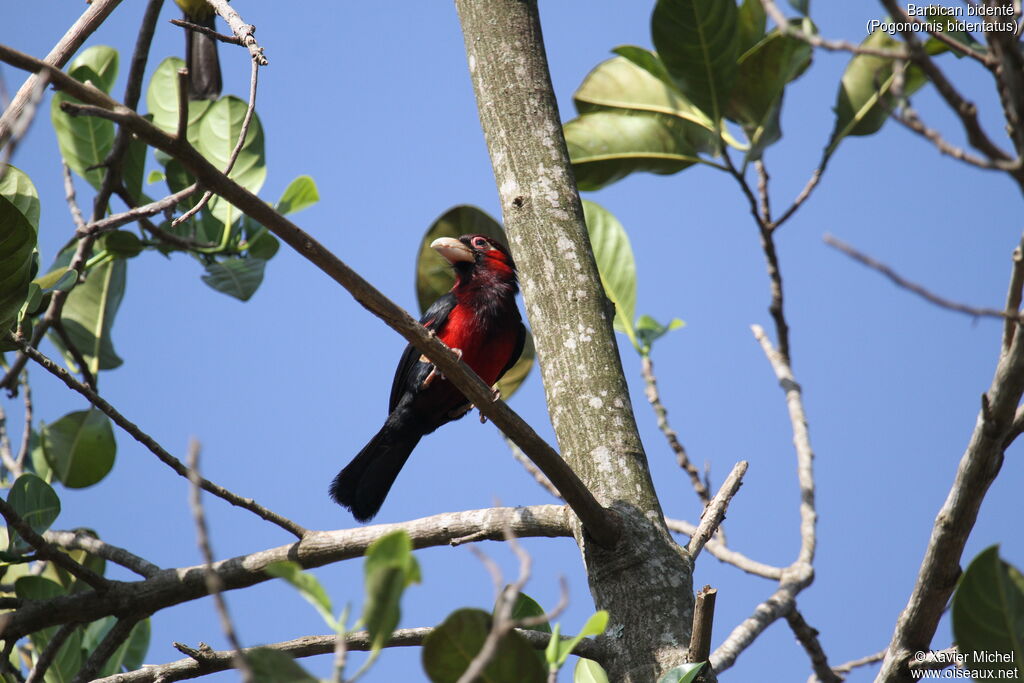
x=450 y=647
x=988 y=615
x=79 y=447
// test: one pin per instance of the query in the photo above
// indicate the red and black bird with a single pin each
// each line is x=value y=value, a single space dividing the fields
x=477 y=318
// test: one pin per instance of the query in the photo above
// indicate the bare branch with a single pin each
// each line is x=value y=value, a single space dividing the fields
x=26 y=434
x=857 y=663
x=909 y=118
x=978 y=468
x=181 y=131
x=88 y=379
x=213 y=583
x=654 y=398
x=801 y=443
x=808 y=638
x=153 y=208
x=925 y=294
x=69 y=195
x=79 y=540
x=715 y=511
x=6 y=452
x=151 y=443
x=196 y=28
x=817 y=41
x=317 y=548
x=1013 y=294
x=528 y=465
x=243 y=31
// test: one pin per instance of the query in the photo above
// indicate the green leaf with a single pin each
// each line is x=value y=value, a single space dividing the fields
x=309 y=587
x=154 y=176
x=526 y=607
x=865 y=93
x=162 y=100
x=38 y=459
x=101 y=60
x=390 y=568
x=218 y=134
x=684 y=673
x=17 y=245
x=648 y=330
x=434 y=276
x=606 y=146
x=121 y=243
x=237 y=277
x=698 y=41
x=273 y=666
x=261 y=243
x=80 y=447
x=751 y=21
x=84 y=141
x=637 y=82
x=595 y=626
x=449 y=649
x=18 y=188
x=988 y=615
x=300 y=194
x=35 y=502
x=133 y=168
x=89 y=313
x=551 y=651
x=764 y=72
x=588 y=671
x=614 y=257
x=953 y=27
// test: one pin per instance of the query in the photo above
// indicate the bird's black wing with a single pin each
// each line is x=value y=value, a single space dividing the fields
x=514 y=358
x=434 y=319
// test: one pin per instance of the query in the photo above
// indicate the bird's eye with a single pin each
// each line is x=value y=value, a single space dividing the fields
x=481 y=244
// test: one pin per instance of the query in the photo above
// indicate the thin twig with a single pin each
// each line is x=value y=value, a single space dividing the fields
x=897 y=279
x=79 y=540
x=808 y=638
x=26 y=434
x=654 y=398
x=243 y=132
x=6 y=452
x=715 y=511
x=182 y=130
x=158 y=232
x=909 y=118
x=48 y=552
x=849 y=666
x=196 y=28
x=801 y=444
x=49 y=653
x=136 y=212
x=213 y=582
x=534 y=471
x=154 y=447
x=817 y=41
x=69 y=196
x=243 y=31
x=762 y=190
x=1013 y=294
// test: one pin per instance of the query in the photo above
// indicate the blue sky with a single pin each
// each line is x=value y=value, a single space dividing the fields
x=374 y=101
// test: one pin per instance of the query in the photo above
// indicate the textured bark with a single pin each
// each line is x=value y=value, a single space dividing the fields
x=645 y=582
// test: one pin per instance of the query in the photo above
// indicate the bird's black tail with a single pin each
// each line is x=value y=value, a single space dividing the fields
x=364 y=483
x=204 y=79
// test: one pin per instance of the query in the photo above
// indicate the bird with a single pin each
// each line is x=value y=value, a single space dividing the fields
x=201 y=59
x=479 y=320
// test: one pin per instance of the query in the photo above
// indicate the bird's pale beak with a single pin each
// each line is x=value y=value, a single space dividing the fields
x=452 y=250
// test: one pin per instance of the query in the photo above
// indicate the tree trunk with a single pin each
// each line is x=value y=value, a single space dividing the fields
x=646 y=581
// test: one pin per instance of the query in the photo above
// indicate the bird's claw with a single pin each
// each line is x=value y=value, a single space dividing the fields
x=495 y=395
x=434 y=373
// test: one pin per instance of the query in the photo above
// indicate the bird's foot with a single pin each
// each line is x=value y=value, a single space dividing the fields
x=495 y=395
x=434 y=373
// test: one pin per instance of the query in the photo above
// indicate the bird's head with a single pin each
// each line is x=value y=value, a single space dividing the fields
x=476 y=257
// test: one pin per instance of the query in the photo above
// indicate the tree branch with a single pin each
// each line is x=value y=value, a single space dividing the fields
x=117 y=634
x=49 y=653
x=978 y=468
x=722 y=552
x=1010 y=315
x=317 y=548
x=808 y=638
x=243 y=31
